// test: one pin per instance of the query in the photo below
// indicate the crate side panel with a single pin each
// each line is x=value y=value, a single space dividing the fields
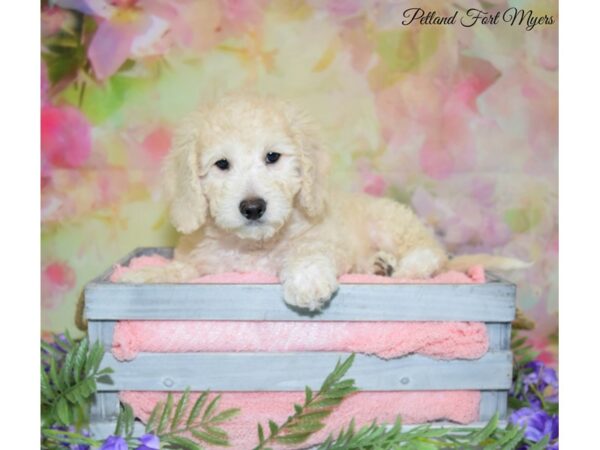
x=105 y=406
x=498 y=336
x=293 y=371
x=484 y=303
x=102 y=331
x=493 y=402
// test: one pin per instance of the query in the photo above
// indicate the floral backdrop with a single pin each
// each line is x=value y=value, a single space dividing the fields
x=460 y=122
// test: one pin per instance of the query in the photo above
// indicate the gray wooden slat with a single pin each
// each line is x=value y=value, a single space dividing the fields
x=498 y=336
x=485 y=303
x=105 y=407
x=293 y=371
x=102 y=331
x=492 y=402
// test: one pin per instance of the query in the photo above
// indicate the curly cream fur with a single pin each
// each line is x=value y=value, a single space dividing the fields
x=309 y=234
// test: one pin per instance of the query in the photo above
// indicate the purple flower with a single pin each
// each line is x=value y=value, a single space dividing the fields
x=540 y=375
x=114 y=443
x=149 y=442
x=61 y=343
x=537 y=423
x=538 y=380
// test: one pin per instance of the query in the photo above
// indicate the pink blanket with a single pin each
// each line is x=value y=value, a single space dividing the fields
x=364 y=407
x=444 y=340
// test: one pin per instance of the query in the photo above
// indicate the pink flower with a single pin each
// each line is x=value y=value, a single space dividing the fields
x=372 y=183
x=57 y=279
x=157 y=143
x=54 y=19
x=126 y=28
x=344 y=8
x=238 y=14
x=66 y=138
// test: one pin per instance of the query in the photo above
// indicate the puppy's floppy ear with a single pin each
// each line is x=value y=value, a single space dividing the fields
x=313 y=162
x=187 y=204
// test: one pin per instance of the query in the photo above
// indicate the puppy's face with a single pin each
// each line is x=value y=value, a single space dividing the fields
x=250 y=173
x=245 y=162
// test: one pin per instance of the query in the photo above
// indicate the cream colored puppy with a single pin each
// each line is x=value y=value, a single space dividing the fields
x=245 y=184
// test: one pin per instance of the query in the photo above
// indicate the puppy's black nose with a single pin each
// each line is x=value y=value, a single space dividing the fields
x=253 y=208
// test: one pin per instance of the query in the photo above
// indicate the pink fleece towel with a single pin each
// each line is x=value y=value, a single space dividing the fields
x=443 y=340
x=364 y=407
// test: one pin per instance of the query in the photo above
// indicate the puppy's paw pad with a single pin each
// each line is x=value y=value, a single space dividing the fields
x=383 y=264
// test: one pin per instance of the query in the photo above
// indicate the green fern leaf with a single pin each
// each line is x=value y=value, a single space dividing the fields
x=481 y=435
x=294 y=438
x=210 y=438
x=273 y=428
x=308 y=395
x=307 y=426
x=164 y=418
x=211 y=407
x=195 y=412
x=53 y=373
x=315 y=414
x=326 y=402
x=63 y=412
x=179 y=410
x=225 y=415
x=180 y=442
x=215 y=430
x=507 y=435
x=516 y=440
x=151 y=424
x=47 y=392
x=66 y=371
x=80 y=356
x=128 y=421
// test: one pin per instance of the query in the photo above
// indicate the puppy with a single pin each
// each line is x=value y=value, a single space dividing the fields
x=246 y=185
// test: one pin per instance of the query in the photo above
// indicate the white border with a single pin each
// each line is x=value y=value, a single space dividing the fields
x=20 y=203
x=579 y=184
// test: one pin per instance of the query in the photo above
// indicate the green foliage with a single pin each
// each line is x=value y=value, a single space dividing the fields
x=308 y=418
x=68 y=380
x=170 y=422
x=425 y=437
x=71 y=370
x=65 y=52
x=523 y=352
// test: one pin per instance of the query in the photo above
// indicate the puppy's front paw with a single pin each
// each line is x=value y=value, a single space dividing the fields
x=309 y=287
x=419 y=263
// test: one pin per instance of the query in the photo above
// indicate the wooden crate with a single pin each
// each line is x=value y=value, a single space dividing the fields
x=106 y=303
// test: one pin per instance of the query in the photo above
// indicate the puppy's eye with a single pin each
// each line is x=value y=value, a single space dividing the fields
x=272 y=157
x=222 y=164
